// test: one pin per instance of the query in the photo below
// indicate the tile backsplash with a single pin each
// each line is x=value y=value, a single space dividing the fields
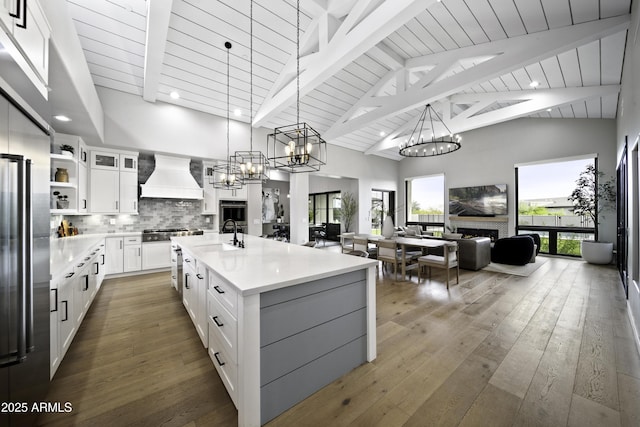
x=152 y=213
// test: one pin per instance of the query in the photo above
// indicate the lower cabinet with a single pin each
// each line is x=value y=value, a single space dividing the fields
x=156 y=255
x=132 y=254
x=223 y=331
x=194 y=297
x=114 y=255
x=71 y=297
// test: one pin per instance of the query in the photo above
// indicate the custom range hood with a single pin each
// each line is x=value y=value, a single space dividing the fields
x=171 y=179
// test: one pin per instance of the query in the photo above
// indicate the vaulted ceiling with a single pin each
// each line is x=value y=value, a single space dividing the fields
x=367 y=67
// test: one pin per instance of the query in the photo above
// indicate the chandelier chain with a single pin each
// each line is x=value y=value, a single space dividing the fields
x=298 y=63
x=228 y=103
x=251 y=74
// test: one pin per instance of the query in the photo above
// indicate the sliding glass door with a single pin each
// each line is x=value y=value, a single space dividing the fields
x=382 y=204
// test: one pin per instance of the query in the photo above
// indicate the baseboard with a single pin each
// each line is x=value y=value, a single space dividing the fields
x=636 y=336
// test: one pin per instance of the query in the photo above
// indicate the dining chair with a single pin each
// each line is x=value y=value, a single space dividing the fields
x=388 y=253
x=447 y=261
x=355 y=252
x=346 y=240
x=361 y=243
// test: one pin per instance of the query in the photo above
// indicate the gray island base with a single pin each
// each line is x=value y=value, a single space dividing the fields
x=283 y=320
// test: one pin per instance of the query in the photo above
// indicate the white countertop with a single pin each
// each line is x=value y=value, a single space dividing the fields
x=265 y=264
x=64 y=252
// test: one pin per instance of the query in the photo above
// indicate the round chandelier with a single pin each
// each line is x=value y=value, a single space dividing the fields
x=419 y=146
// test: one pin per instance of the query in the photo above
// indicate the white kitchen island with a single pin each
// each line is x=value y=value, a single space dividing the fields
x=283 y=320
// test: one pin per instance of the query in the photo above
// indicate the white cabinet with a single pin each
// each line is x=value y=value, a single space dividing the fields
x=71 y=297
x=128 y=192
x=222 y=316
x=114 y=254
x=104 y=194
x=132 y=254
x=114 y=182
x=156 y=255
x=194 y=295
x=210 y=200
x=25 y=34
x=83 y=181
x=237 y=194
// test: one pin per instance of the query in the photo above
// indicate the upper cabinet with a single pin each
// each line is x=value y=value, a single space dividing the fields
x=113 y=181
x=210 y=200
x=25 y=36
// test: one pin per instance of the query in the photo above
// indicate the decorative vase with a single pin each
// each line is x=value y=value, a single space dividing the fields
x=387 y=227
x=596 y=252
x=62 y=175
x=62 y=204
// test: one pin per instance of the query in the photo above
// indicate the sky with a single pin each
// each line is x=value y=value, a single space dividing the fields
x=536 y=182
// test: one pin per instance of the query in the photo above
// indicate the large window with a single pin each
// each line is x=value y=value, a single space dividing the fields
x=324 y=207
x=382 y=204
x=543 y=191
x=425 y=202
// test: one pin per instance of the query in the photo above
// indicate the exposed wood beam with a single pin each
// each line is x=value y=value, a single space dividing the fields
x=368 y=23
x=504 y=56
x=529 y=102
x=158 y=15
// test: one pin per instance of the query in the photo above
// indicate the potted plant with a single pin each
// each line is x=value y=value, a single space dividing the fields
x=591 y=197
x=348 y=209
x=66 y=150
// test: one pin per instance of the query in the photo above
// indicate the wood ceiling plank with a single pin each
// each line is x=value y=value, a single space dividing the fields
x=589 y=57
x=108 y=14
x=463 y=16
x=106 y=62
x=579 y=110
x=431 y=45
x=439 y=33
x=611 y=8
x=557 y=12
x=612 y=57
x=410 y=41
x=584 y=10
x=566 y=112
x=609 y=106
x=570 y=67
x=484 y=14
x=112 y=52
x=535 y=72
x=532 y=15
x=117 y=85
x=553 y=72
x=509 y=17
x=594 y=108
x=450 y=25
x=124 y=41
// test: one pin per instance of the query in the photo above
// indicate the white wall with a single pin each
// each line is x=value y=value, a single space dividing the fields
x=488 y=155
x=629 y=130
x=132 y=123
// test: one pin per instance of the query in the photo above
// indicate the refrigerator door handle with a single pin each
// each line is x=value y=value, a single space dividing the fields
x=20 y=353
x=28 y=261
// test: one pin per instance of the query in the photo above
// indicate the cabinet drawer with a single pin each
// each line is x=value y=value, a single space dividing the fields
x=224 y=292
x=222 y=323
x=133 y=240
x=227 y=370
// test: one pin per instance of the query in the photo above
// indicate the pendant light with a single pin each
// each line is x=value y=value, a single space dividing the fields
x=227 y=174
x=298 y=147
x=254 y=166
x=417 y=146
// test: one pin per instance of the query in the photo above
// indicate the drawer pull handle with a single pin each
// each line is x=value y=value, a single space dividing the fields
x=86 y=283
x=66 y=311
x=69 y=275
x=199 y=276
x=218 y=289
x=187 y=260
x=215 y=320
x=56 y=300
x=218 y=359
x=186 y=281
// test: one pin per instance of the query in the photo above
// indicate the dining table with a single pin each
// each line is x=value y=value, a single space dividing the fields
x=403 y=243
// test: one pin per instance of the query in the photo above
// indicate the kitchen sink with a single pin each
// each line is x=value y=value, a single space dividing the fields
x=219 y=247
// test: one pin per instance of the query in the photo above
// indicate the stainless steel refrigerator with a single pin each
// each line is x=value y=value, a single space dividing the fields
x=24 y=263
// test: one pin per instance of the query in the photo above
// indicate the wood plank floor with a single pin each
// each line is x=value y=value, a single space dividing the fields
x=551 y=349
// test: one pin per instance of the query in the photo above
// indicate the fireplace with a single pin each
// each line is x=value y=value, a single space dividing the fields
x=478 y=232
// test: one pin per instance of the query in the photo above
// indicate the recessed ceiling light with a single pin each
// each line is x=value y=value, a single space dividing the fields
x=548 y=109
x=62 y=118
x=382 y=133
x=534 y=84
x=237 y=112
x=174 y=95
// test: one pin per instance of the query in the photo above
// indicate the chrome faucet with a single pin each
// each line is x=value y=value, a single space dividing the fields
x=235 y=230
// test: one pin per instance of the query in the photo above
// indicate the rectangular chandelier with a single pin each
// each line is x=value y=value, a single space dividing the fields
x=296 y=148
